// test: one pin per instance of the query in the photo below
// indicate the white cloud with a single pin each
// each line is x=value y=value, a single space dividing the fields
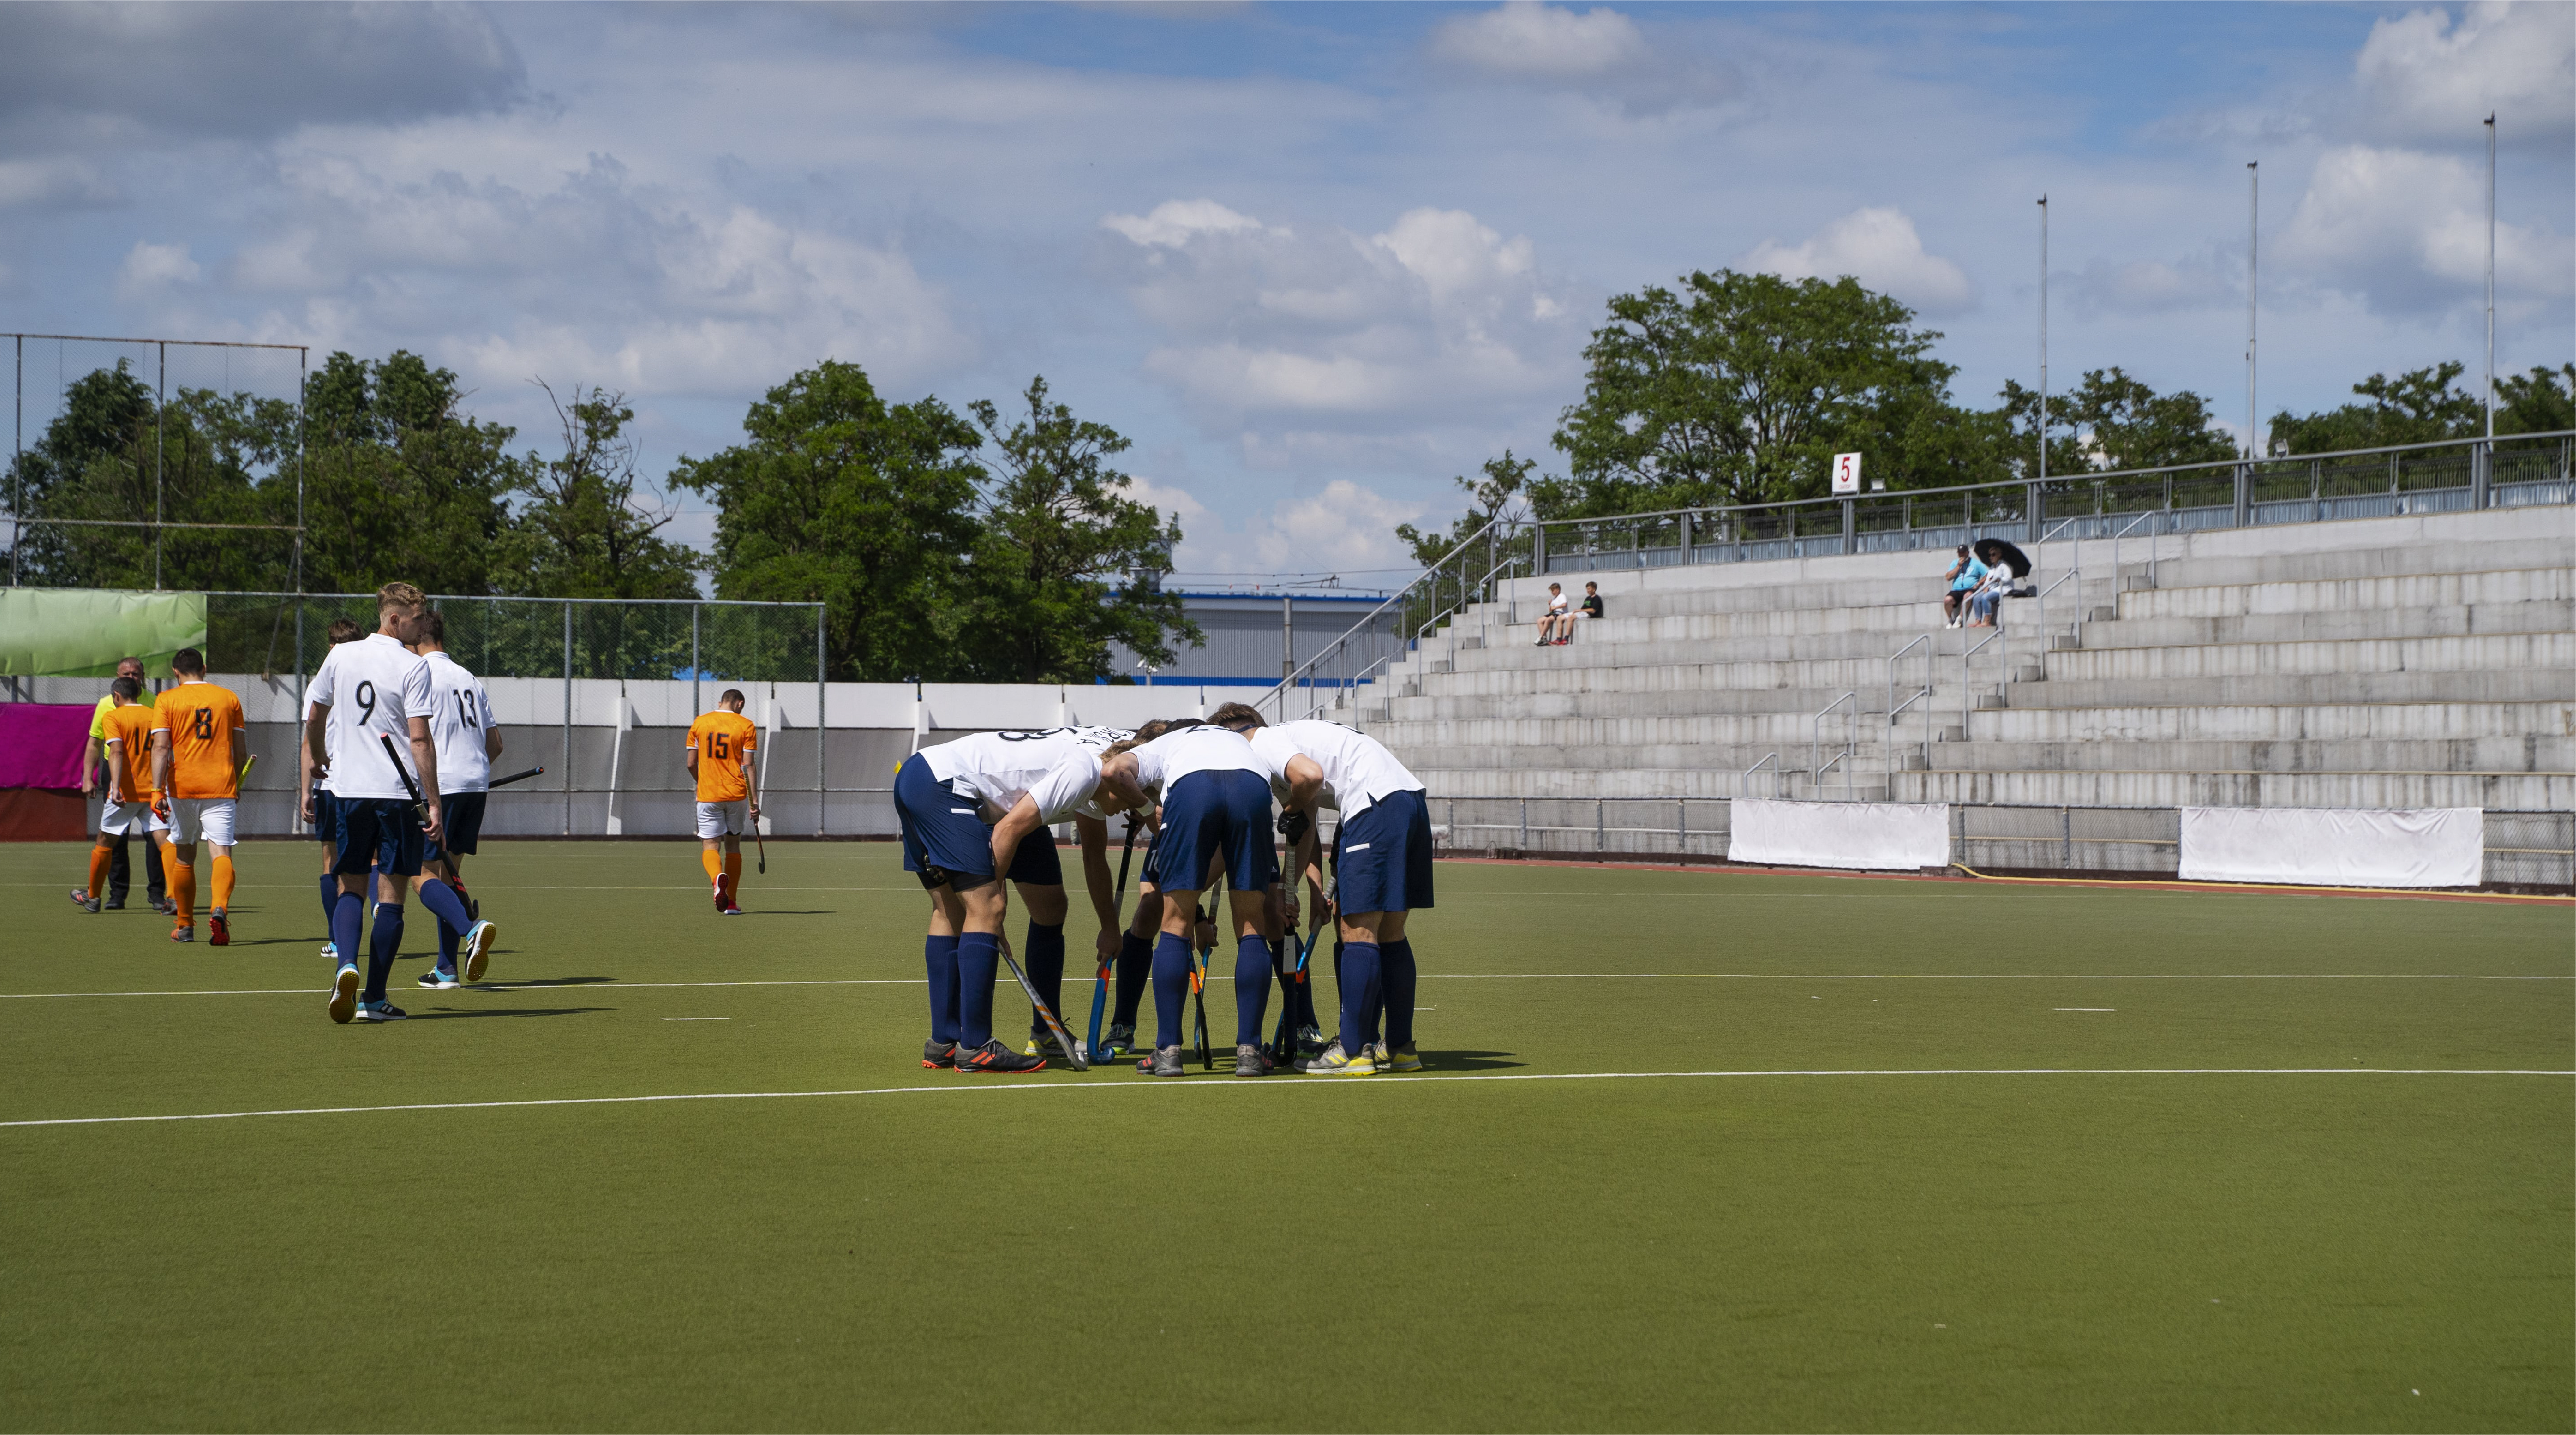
x=151 y=268
x=2407 y=230
x=1599 y=51
x=52 y=184
x=1879 y=248
x=1174 y=221
x=1171 y=502
x=2153 y=286
x=1343 y=527
x=2426 y=76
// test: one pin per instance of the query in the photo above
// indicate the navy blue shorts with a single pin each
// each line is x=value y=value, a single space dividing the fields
x=377 y=832
x=943 y=830
x=325 y=825
x=460 y=816
x=1382 y=858
x=1209 y=812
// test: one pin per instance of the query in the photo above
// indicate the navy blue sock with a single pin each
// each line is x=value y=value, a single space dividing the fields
x=1359 y=995
x=384 y=944
x=939 y=955
x=449 y=909
x=979 y=957
x=348 y=921
x=1397 y=979
x=1252 y=967
x=330 y=898
x=1046 y=971
x=1135 y=969
x=1171 y=988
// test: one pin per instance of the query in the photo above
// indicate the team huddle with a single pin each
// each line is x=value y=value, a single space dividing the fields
x=394 y=769
x=974 y=814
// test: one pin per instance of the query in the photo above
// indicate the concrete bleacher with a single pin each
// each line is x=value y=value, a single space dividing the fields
x=2425 y=661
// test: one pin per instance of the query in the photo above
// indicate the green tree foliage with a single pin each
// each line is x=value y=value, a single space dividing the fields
x=1499 y=496
x=838 y=498
x=579 y=532
x=2125 y=424
x=2419 y=406
x=2542 y=401
x=1739 y=388
x=399 y=482
x=1039 y=605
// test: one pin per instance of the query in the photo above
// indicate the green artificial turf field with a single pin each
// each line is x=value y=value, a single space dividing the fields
x=1963 y=1156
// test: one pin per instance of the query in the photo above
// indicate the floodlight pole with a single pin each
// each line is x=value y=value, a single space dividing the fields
x=2253 y=211
x=2043 y=350
x=18 y=461
x=2491 y=231
x=160 y=405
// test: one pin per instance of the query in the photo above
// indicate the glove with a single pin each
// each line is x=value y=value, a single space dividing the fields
x=1293 y=825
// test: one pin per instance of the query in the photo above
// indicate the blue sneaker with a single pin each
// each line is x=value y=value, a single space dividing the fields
x=477 y=948
x=344 y=992
x=437 y=980
x=381 y=1011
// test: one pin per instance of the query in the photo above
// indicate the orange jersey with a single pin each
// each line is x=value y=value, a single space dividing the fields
x=131 y=728
x=724 y=742
x=201 y=720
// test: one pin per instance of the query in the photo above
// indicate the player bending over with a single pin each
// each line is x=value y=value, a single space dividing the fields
x=1136 y=947
x=126 y=741
x=366 y=693
x=1215 y=795
x=720 y=747
x=199 y=744
x=1020 y=783
x=1383 y=865
x=462 y=728
x=323 y=822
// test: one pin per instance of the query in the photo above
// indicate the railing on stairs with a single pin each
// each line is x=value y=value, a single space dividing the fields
x=1778 y=775
x=1896 y=709
x=1850 y=749
x=1351 y=659
x=1967 y=691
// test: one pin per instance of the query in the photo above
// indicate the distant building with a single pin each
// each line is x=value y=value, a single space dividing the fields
x=1253 y=639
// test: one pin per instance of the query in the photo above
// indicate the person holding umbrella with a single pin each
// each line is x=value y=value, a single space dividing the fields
x=2004 y=565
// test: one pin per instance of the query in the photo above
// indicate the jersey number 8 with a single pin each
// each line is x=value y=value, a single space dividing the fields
x=201 y=726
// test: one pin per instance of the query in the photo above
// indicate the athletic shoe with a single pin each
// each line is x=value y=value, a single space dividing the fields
x=1378 y=1055
x=1166 y=1061
x=437 y=980
x=1333 y=1063
x=165 y=906
x=381 y=1011
x=344 y=992
x=1248 y=1060
x=730 y=910
x=718 y=887
x=331 y=951
x=219 y=933
x=1405 y=1058
x=115 y=905
x=478 y=948
x=187 y=933
x=83 y=900
x=1043 y=1043
x=995 y=1057
x=1311 y=1041
x=1122 y=1042
x=937 y=1055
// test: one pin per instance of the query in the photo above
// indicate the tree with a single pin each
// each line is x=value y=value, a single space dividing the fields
x=2542 y=401
x=837 y=498
x=399 y=483
x=2128 y=425
x=1041 y=605
x=1499 y=496
x=580 y=532
x=1741 y=388
x=2419 y=406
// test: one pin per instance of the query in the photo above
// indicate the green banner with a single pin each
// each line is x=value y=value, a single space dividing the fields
x=82 y=632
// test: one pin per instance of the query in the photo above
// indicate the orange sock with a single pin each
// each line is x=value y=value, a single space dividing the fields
x=713 y=861
x=98 y=860
x=733 y=874
x=223 y=882
x=183 y=884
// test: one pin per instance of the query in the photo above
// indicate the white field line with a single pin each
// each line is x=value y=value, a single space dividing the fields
x=1439 y=976
x=965 y=1085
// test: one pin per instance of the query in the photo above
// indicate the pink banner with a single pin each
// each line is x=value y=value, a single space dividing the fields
x=41 y=743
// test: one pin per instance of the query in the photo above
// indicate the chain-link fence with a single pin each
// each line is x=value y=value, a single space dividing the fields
x=2523 y=849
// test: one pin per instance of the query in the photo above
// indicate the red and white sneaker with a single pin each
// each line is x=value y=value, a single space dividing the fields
x=219 y=932
x=730 y=910
x=718 y=888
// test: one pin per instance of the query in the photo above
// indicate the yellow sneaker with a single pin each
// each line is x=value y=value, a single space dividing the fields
x=1334 y=1063
x=1402 y=1058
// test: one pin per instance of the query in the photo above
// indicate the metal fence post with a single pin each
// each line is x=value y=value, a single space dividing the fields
x=1524 y=824
x=1600 y=832
x=2244 y=505
x=2481 y=473
x=567 y=716
x=1851 y=525
x=822 y=729
x=2065 y=837
x=697 y=704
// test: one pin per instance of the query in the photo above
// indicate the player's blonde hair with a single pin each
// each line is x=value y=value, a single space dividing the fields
x=400 y=595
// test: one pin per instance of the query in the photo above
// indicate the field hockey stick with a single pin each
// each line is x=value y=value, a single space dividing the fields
x=1063 y=1038
x=1108 y=965
x=515 y=777
x=419 y=805
x=242 y=778
x=762 y=843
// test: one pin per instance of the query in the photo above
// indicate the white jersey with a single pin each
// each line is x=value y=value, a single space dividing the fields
x=1059 y=767
x=330 y=736
x=460 y=714
x=1358 y=770
x=375 y=687
x=1182 y=751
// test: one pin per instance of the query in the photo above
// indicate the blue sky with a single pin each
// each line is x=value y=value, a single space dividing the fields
x=1314 y=259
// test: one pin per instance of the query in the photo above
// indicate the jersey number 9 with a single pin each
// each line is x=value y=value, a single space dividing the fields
x=367 y=701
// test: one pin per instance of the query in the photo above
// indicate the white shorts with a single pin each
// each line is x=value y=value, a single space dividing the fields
x=202 y=819
x=129 y=819
x=722 y=819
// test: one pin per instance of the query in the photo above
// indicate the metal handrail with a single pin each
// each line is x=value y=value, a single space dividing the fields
x=1815 y=742
x=1967 y=694
x=2072 y=569
x=1776 y=773
x=2122 y=532
x=1894 y=707
x=1463 y=546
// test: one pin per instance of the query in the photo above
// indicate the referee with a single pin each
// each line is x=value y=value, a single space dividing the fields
x=120 y=867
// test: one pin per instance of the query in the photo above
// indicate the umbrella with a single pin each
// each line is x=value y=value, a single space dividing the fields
x=1990 y=549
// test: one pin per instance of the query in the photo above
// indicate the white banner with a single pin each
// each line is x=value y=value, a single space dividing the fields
x=2335 y=847
x=1865 y=835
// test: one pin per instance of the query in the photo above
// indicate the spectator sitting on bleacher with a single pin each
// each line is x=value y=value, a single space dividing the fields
x=1964 y=577
x=1989 y=595
x=1558 y=620
x=1590 y=608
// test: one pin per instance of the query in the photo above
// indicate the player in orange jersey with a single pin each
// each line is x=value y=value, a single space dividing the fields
x=199 y=743
x=720 y=747
x=126 y=735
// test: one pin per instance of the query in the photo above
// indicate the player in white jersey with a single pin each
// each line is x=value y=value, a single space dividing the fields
x=322 y=818
x=971 y=812
x=468 y=737
x=367 y=694
x=1215 y=794
x=1382 y=869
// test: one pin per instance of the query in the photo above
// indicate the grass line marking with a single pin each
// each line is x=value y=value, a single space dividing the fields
x=1231 y=1085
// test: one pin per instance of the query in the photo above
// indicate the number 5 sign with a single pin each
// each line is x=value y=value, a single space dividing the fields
x=1846 y=473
